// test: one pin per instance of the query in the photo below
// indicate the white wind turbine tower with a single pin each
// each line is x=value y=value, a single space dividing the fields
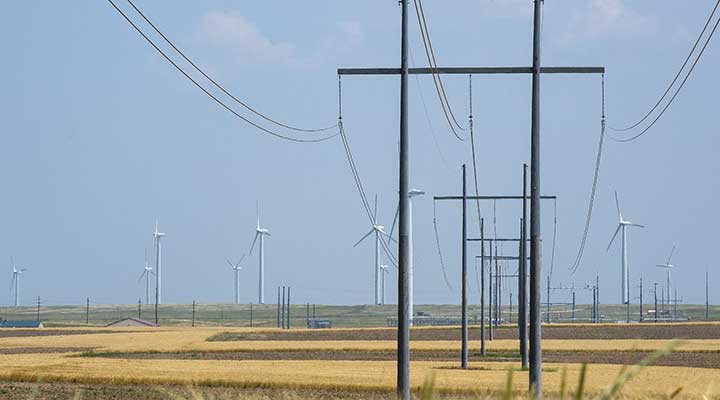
x=379 y=231
x=16 y=281
x=236 y=269
x=384 y=270
x=157 y=236
x=147 y=271
x=260 y=232
x=625 y=270
x=668 y=267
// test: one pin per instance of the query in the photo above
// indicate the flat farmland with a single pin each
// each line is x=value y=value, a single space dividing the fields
x=358 y=362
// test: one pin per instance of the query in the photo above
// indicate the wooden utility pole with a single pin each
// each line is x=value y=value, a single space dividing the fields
x=87 y=311
x=193 y=314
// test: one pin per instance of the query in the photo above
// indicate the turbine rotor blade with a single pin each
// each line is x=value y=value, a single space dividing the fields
x=241 y=259
x=613 y=237
x=252 y=246
x=671 y=254
x=363 y=238
x=617 y=204
x=397 y=213
x=388 y=236
x=142 y=276
x=230 y=264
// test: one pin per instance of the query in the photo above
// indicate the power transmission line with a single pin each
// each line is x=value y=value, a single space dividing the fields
x=204 y=90
x=356 y=177
x=677 y=91
x=437 y=242
x=593 y=191
x=214 y=82
x=437 y=79
x=682 y=68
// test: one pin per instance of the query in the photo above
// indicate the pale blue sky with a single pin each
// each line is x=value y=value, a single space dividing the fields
x=100 y=136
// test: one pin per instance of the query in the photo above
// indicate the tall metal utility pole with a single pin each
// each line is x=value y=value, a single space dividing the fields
x=87 y=311
x=597 y=299
x=403 y=345
x=38 y=309
x=288 y=309
x=522 y=293
x=277 y=319
x=641 y=300
x=490 y=294
x=251 y=315
x=573 y=306
x=282 y=313
x=547 y=300
x=464 y=348
x=535 y=257
x=656 y=305
x=482 y=287
x=707 y=297
x=403 y=354
x=193 y=314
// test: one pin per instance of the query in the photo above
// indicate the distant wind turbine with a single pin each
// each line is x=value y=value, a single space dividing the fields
x=16 y=281
x=147 y=271
x=379 y=231
x=384 y=270
x=668 y=267
x=625 y=270
x=157 y=236
x=236 y=269
x=260 y=232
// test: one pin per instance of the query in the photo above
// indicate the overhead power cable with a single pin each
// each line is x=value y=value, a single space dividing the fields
x=439 y=249
x=356 y=176
x=593 y=191
x=677 y=76
x=214 y=82
x=472 y=148
x=437 y=79
x=206 y=91
x=677 y=91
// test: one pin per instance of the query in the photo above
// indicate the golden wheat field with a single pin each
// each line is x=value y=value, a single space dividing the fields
x=57 y=358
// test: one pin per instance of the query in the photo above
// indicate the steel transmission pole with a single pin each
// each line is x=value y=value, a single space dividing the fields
x=482 y=287
x=464 y=348
x=535 y=258
x=522 y=293
x=403 y=337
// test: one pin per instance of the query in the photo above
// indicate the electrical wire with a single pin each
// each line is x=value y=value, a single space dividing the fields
x=356 y=177
x=214 y=82
x=204 y=90
x=593 y=191
x=437 y=80
x=439 y=249
x=435 y=64
x=427 y=116
x=472 y=147
x=552 y=252
x=677 y=91
x=682 y=68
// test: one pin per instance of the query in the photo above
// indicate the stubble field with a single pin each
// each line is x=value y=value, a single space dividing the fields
x=341 y=363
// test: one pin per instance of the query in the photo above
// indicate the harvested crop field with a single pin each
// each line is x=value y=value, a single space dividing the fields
x=559 y=332
x=679 y=359
x=11 y=333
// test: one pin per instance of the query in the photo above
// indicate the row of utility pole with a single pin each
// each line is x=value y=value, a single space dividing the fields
x=283 y=309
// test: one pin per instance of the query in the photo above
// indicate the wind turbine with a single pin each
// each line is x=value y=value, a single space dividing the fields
x=625 y=270
x=16 y=281
x=379 y=231
x=260 y=232
x=147 y=271
x=668 y=267
x=158 y=258
x=236 y=269
x=384 y=271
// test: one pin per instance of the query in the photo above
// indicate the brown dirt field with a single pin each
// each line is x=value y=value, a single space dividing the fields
x=65 y=391
x=697 y=360
x=41 y=350
x=617 y=332
x=10 y=333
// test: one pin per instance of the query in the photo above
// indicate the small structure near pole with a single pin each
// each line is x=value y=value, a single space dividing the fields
x=21 y=324
x=132 y=322
x=315 y=323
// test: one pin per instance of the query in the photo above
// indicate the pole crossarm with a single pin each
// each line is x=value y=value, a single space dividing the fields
x=502 y=258
x=471 y=70
x=494 y=240
x=439 y=198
